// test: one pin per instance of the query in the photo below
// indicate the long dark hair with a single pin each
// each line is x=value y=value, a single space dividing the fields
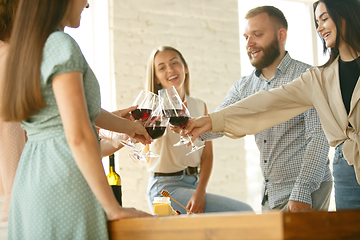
x=347 y=10
x=7 y=14
x=35 y=20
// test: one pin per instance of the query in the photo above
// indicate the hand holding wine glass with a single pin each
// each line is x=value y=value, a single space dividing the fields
x=145 y=102
x=178 y=114
x=116 y=138
x=197 y=126
x=140 y=110
x=125 y=113
x=136 y=131
x=172 y=108
x=155 y=126
x=115 y=128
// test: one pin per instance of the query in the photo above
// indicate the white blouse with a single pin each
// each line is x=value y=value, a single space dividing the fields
x=174 y=159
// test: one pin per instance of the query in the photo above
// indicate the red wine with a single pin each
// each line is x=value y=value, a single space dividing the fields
x=141 y=113
x=155 y=132
x=179 y=121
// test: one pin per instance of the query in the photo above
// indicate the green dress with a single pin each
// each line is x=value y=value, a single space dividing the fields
x=50 y=197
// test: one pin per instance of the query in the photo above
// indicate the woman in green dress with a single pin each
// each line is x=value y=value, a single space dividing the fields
x=60 y=189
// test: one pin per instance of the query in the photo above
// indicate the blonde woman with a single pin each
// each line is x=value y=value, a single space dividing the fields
x=173 y=170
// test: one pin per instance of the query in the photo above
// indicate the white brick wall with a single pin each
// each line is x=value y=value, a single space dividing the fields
x=207 y=33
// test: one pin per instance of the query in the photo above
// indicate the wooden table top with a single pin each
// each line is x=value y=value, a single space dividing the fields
x=273 y=225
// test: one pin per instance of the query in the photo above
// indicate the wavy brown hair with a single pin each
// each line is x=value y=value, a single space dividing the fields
x=150 y=78
x=342 y=10
x=7 y=14
x=35 y=20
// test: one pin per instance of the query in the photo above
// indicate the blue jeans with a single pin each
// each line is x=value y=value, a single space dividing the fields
x=347 y=189
x=182 y=188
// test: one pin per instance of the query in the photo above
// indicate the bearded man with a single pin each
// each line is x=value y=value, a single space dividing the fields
x=293 y=155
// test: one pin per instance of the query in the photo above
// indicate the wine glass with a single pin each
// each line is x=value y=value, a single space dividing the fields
x=144 y=101
x=155 y=126
x=113 y=138
x=178 y=114
x=174 y=110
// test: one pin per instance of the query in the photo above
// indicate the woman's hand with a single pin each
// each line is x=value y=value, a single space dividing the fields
x=117 y=123
x=138 y=132
x=197 y=126
x=197 y=202
x=122 y=213
x=175 y=129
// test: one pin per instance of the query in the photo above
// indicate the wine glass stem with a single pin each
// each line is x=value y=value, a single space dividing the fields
x=181 y=137
x=192 y=144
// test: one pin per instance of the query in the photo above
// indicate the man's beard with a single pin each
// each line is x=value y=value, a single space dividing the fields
x=270 y=53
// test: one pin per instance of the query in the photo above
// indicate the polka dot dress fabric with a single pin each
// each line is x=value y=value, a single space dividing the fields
x=50 y=197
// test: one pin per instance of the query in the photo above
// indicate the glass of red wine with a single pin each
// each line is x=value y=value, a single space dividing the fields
x=144 y=102
x=178 y=114
x=155 y=126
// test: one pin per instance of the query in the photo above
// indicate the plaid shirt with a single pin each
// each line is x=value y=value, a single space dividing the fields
x=293 y=155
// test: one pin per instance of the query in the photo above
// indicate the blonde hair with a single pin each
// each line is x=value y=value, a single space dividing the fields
x=20 y=94
x=151 y=85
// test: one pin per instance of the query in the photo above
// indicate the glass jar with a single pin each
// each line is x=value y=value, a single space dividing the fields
x=162 y=206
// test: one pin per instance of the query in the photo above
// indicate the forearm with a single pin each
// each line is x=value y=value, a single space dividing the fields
x=109 y=121
x=239 y=120
x=315 y=162
x=233 y=96
x=80 y=136
x=107 y=148
x=208 y=136
x=263 y=110
x=308 y=181
x=86 y=152
x=205 y=168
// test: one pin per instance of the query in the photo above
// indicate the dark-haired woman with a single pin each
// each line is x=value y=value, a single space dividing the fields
x=333 y=89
